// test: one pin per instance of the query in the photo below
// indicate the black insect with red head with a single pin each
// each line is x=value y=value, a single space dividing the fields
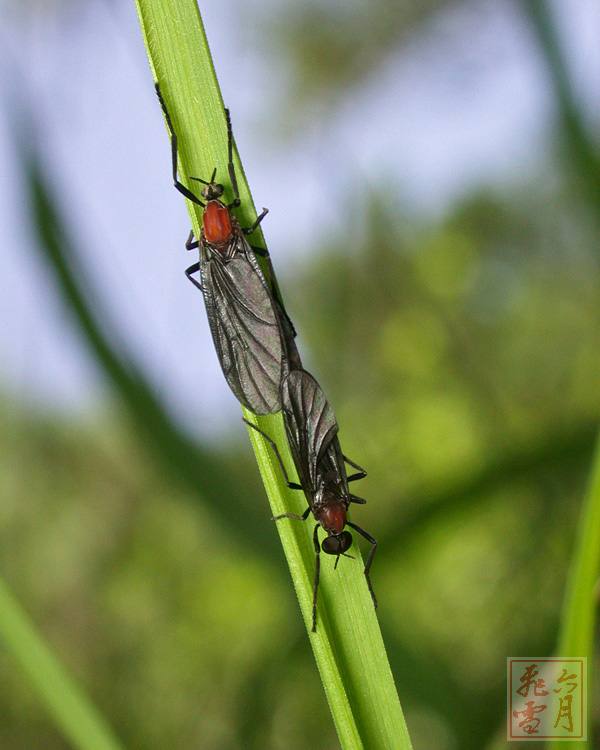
x=251 y=331
x=312 y=432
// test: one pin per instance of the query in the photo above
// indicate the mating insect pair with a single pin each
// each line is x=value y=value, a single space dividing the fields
x=254 y=339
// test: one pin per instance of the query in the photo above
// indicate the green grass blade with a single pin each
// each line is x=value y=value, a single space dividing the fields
x=72 y=710
x=348 y=646
x=576 y=637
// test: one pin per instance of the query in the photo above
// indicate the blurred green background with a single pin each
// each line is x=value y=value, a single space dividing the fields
x=459 y=346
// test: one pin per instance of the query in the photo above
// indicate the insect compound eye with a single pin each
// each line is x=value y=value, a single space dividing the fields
x=346 y=541
x=331 y=545
x=337 y=545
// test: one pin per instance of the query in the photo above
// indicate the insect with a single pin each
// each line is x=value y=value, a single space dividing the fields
x=312 y=432
x=251 y=331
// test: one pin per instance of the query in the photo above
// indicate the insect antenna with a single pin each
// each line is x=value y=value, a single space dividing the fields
x=342 y=554
x=204 y=182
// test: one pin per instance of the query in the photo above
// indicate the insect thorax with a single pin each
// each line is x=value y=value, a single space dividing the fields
x=329 y=509
x=225 y=249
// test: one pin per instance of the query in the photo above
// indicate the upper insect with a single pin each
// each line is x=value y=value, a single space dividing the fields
x=251 y=331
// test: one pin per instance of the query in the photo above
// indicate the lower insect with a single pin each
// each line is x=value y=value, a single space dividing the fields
x=311 y=429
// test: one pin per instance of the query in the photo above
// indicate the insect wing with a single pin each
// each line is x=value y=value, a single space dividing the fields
x=292 y=359
x=245 y=328
x=331 y=467
x=310 y=424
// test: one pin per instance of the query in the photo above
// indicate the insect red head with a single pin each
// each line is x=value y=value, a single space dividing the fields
x=217 y=223
x=333 y=517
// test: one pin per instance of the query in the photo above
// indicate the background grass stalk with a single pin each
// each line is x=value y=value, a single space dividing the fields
x=576 y=637
x=75 y=715
x=348 y=647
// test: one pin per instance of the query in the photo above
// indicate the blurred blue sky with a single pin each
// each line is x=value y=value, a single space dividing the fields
x=467 y=104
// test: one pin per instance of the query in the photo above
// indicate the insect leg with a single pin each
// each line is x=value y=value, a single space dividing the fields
x=180 y=186
x=230 y=167
x=260 y=251
x=189 y=271
x=360 y=474
x=249 y=230
x=291 y=485
x=303 y=517
x=317 y=571
x=191 y=243
x=357 y=500
x=373 y=542
x=291 y=335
